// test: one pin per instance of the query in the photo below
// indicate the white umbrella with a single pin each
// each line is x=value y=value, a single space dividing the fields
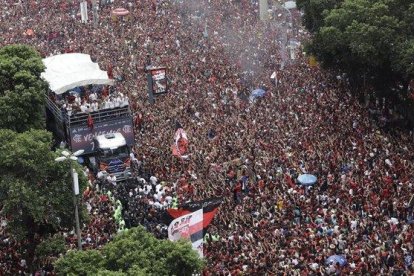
x=120 y=12
x=290 y=5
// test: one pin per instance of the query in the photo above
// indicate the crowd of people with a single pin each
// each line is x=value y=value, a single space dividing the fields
x=248 y=153
x=10 y=260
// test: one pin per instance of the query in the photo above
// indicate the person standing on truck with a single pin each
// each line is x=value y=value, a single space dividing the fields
x=90 y=121
x=112 y=179
x=100 y=175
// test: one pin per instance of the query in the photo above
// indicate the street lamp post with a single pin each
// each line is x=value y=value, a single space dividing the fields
x=263 y=10
x=95 y=13
x=73 y=157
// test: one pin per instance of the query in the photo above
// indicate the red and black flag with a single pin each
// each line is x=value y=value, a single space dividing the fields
x=189 y=227
x=209 y=206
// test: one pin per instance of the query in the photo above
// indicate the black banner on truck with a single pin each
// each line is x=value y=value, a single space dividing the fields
x=81 y=137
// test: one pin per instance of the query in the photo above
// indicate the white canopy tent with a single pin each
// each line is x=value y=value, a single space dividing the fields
x=67 y=71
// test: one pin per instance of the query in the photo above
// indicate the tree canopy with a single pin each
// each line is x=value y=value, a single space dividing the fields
x=314 y=11
x=35 y=190
x=21 y=88
x=371 y=40
x=133 y=252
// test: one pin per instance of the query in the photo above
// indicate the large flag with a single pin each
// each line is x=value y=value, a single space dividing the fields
x=209 y=207
x=159 y=80
x=180 y=146
x=189 y=227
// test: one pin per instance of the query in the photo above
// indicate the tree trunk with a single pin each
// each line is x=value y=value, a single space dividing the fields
x=32 y=244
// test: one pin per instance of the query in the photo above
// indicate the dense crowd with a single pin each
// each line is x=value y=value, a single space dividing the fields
x=249 y=153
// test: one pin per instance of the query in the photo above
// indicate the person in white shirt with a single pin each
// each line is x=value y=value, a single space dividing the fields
x=69 y=109
x=88 y=207
x=158 y=205
x=111 y=104
x=84 y=108
x=141 y=180
x=101 y=174
x=93 y=97
x=88 y=239
x=147 y=189
x=23 y=263
x=168 y=199
x=117 y=101
x=133 y=158
x=112 y=179
x=94 y=106
x=77 y=99
x=153 y=180
x=124 y=101
x=160 y=194
x=158 y=188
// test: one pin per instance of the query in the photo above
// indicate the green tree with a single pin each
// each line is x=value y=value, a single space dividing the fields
x=371 y=40
x=52 y=246
x=314 y=11
x=115 y=273
x=35 y=190
x=404 y=59
x=86 y=262
x=135 y=252
x=21 y=88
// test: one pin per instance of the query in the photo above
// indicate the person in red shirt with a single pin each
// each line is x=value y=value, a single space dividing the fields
x=261 y=184
x=110 y=72
x=103 y=198
x=90 y=121
x=138 y=121
x=236 y=191
x=190 y=189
